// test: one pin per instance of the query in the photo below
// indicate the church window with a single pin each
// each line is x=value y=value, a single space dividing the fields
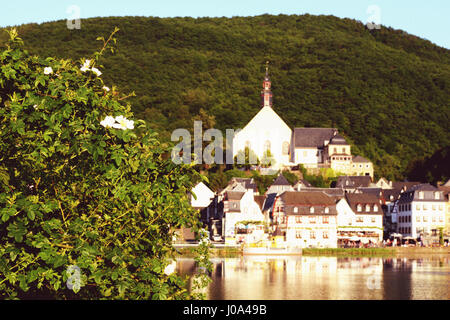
x=267 y=146
x=285 y=148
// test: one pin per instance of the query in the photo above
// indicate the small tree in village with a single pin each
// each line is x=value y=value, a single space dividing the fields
x=88 y=200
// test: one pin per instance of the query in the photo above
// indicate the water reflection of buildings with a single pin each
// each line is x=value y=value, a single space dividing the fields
x=303 y=278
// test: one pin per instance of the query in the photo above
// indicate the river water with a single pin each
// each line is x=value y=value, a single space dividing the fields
x=325 y=278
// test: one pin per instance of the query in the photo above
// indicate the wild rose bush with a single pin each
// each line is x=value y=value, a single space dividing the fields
x=88 y=200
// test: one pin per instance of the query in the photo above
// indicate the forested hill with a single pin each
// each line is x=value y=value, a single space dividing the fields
x=387 y=91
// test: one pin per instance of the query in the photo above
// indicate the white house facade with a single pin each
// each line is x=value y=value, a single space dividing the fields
x=239 y=207
x=421 y=211
x=359 y=218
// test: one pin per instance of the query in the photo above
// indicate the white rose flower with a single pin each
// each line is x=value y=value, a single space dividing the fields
x=123 y=123
x=87 y=63
x=96 y=71
x=48 y=70
x=108 y=122
x=170 y=268
x=130 y=124
x=106 y=88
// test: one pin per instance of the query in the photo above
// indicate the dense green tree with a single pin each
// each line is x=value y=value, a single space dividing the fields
x=89 y=200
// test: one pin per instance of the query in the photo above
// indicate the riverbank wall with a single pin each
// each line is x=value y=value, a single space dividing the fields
x=413 y=252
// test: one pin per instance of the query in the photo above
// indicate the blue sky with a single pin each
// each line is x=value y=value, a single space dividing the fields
x=427 y=19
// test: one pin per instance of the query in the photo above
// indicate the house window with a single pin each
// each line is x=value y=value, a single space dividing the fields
x=373 y=220
x=312 y=235
x=325 y=219
x=417 y=219
x=298 y=219
x=305 y=154
x=420 y=194
x=327 y=210
x=418 y=207
x=359 y=219
x=433 y=207
x=312 y=219
x=367 y=208
x=359 y=208
x=441 y=219
x=440 y=207
x=436 y=195
x=295 y=210
x=425 y=207
x=335 y=150
x=311 y=210
x=325 y=234
x=409 y=207
x=425 y=219
x=375 y=208
x=434 y=218
x=298 y=234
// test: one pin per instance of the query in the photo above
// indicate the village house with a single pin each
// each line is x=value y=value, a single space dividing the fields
x=389 y=201
x=241 y=212
x=359 y=219
x=421 y=211
x=306 y=219
x=279 y=185
x=383 y=183
x=361 y=167
x=351 y=183
x=446 y=192
x=201 y=198
x=301 y=184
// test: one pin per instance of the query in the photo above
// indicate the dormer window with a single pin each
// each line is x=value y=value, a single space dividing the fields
x=311 y=210
x=375 y=208
x=295 y=210
x=367 y=208
x=420 y=194
x=327 y=210
x=436 y=195
x=359 y=208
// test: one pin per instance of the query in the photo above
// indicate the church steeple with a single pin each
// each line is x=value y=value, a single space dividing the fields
x=266 y=93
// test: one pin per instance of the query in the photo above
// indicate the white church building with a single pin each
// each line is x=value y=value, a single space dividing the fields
x=266 y=131
x=311 y=147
